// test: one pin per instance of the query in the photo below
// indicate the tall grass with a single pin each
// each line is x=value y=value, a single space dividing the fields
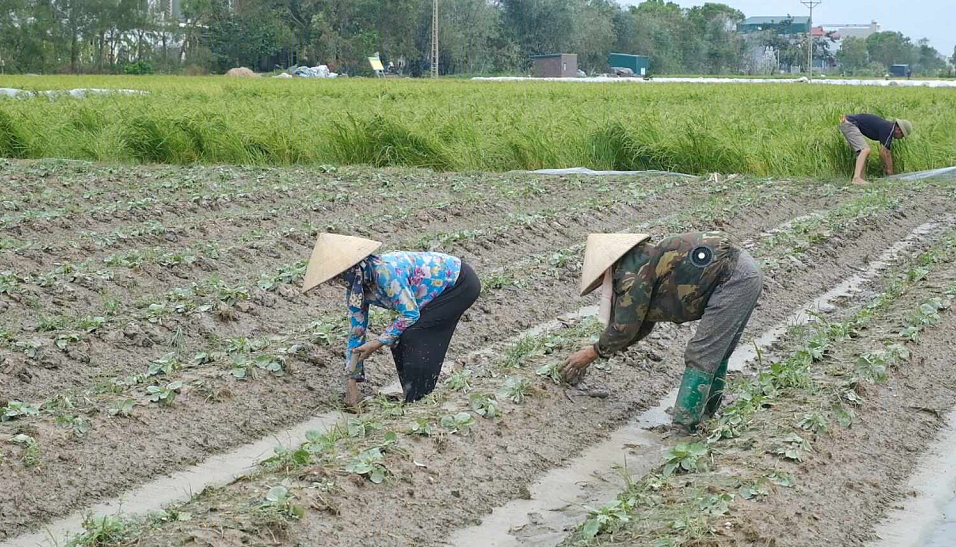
x=768 y=130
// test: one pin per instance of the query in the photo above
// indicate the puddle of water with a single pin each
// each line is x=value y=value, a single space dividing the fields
x=216 y=470
x=560 y=498
x=929 y=518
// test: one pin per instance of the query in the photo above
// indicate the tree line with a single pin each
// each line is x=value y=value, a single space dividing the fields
x=475 y=36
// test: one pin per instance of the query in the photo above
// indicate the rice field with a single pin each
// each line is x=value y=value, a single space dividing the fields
x=785 y=130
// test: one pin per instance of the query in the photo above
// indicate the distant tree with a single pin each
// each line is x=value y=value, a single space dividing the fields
x=853 y=55
x=929 y=62
x=889 y=48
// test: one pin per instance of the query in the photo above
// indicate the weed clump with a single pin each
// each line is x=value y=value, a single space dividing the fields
x=381 y=142
x=12 y=142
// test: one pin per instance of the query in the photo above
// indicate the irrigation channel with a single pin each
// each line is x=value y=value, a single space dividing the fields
x=558 y=500
x=927 y=519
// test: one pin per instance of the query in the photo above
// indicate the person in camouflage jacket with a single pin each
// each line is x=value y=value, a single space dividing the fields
x=686 y=277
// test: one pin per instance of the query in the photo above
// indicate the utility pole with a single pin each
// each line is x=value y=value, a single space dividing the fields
x=435 y=40
x=810 y=4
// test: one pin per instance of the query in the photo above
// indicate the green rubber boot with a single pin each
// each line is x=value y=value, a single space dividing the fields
x=692 y=397
x=717 y=389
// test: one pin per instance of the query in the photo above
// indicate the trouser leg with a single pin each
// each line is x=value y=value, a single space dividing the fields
x=720 y=328
x=420 y=351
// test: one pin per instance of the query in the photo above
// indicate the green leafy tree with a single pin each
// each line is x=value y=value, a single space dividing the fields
x=853 y=55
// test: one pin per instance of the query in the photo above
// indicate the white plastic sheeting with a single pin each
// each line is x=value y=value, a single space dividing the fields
x=78 y=93
x=662 y=80
x=591 y=172
x=321 y=71
x=918 y=175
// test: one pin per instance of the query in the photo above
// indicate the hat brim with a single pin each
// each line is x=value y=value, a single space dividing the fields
x=602 y=252
x=334 y=254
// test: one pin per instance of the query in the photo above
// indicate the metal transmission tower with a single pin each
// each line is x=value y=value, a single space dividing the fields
x=435 y=40
x=810 y=4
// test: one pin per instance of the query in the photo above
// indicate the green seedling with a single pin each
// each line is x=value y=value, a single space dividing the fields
x=167 y=364
x=791 y=447
x=686 y=458
x=607 y=518
x=286 y=459
x=369 y=464
x=104 y=531
x=318 y=442
x=421 y=426
x=716 y=505
x=813 y=422
x=756 y=490
x=360 y=428
x=326 y=333
x=459 y=381
x=781 y=478
x=872 y=366
x=277 y=509
x=516 y=389
x=484 y=405
x=63 y=341
x=164 y=395
x=31 y=453
x=122 y=407
x=550 y=371
x=386 y=406
x=79 y=425
x=516 y=353
x=458 y=423
x=17 y=409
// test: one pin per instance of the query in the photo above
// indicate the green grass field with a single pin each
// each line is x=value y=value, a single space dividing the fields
x=778 y=130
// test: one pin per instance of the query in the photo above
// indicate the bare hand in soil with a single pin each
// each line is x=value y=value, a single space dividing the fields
x=573 y=368
x=352 y=395
x=366 y=350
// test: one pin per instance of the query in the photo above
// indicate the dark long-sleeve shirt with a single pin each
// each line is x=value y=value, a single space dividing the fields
x=671 y=281
x=874 y=127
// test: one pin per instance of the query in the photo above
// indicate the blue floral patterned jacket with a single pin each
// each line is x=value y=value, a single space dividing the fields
x=400 y=281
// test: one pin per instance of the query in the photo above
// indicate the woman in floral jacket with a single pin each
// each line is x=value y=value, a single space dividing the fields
x=430 y=292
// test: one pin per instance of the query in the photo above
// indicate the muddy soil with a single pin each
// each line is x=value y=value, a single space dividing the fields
x=466 y=476
x=857 y=473
x=216 y=411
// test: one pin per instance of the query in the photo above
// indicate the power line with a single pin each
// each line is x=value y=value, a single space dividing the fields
x=810 y=4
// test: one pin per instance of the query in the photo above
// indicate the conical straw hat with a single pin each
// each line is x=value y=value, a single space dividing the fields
x=602 y=251
x=332 y=255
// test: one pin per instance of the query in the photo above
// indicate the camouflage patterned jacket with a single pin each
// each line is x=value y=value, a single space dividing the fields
x=671 y=281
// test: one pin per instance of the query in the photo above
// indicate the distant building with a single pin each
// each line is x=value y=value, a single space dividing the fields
x=170 y=7
x=855 y=31
x=781 y=25
x=557 y=65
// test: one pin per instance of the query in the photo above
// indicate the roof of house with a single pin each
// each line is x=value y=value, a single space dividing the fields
x=776 y=20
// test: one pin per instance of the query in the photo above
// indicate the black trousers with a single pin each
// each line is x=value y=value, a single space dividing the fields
x=420 y=350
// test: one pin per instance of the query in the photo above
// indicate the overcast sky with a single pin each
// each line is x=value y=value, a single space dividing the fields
x=933 y=19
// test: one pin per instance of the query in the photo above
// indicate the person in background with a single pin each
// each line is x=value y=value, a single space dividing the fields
x=683 y=278
x=859 y=127
x=430 y=292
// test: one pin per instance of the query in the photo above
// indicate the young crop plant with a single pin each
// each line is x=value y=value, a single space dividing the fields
x=458 y=423
x=166 y=365
x=607 y=518
x=17 y=409
x=326 y=332
x=484 y=405
x=516 y=389
x=551 y=372
x=287 y=460
x=104 y=531
x=79 y=425
x=31 y=449
x=164 y=395
x=525 y=347
x=716 y=505
x=813 y=422
x=459 y=381
x=277 y=509
x=686 y=458
x=122 y=407
x=421 y=427
x=370 y=464
x=791 y=447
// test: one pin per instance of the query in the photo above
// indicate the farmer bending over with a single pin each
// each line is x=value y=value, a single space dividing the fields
x=858 y=126
x=430 y=291
x=683 y=278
